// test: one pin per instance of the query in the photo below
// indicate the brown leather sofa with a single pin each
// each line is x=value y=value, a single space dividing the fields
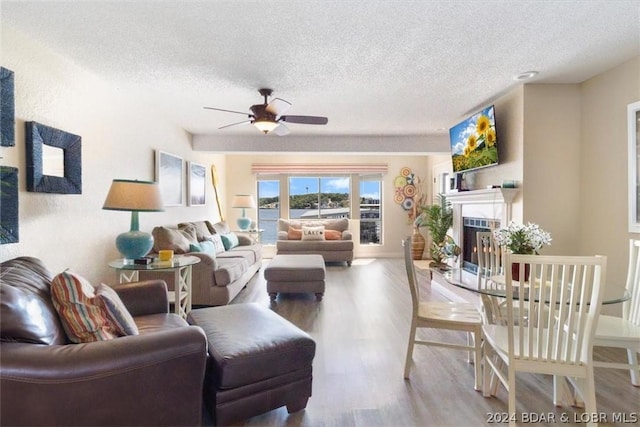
x=152 y=379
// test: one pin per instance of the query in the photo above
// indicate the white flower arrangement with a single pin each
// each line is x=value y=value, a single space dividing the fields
x=522 y=239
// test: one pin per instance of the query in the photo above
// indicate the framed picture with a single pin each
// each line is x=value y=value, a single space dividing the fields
x=633 y=120
x=54 y=160
x=169 y=173
x=8 y=205
x=7 y=109
x=196 y=184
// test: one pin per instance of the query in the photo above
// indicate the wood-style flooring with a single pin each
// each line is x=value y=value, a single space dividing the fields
x=361 y=330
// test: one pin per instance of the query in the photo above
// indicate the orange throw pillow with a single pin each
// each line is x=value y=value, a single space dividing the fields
x=332 y=235
x=294 y=234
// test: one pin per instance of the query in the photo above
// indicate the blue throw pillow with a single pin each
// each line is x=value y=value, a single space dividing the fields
x=208 y=248
x=229 y=240
x=195 y=247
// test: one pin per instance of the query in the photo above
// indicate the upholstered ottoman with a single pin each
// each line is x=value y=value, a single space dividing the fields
x=295 y=274
x=258 y=361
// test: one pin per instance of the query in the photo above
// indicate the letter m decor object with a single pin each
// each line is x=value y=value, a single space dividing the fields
x=39 y=135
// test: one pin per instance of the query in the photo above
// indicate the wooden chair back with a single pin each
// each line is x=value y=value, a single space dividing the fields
x=563 y=295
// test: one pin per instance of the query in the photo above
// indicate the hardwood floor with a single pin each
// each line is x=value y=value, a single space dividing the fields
x=361 y=330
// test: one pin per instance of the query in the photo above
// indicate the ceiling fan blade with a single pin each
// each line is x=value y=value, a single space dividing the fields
x=227 y=111
x=278 y=106
x=244 y=122
x=307 y=120
x=281 y=130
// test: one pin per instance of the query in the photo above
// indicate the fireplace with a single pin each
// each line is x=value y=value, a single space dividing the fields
x=470 y=226
x=482 y=210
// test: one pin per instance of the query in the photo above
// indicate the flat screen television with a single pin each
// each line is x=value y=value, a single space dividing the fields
x=473 y=142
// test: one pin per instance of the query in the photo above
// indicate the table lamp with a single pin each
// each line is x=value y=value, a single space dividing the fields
x=134 y=196
x=243 y=201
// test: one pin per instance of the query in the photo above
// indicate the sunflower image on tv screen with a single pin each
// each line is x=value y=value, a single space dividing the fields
x=473 y=142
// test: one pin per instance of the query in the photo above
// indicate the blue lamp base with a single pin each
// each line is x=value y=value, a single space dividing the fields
x=244 y=223
x=134 y=244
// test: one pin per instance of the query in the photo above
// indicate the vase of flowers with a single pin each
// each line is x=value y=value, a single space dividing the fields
x=522 y=239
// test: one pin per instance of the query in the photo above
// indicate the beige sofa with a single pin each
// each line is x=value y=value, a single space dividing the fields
x=222 y=273
x=336 y=247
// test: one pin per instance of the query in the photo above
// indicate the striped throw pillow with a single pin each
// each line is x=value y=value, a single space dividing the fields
x=117 y=313
x=81 y=314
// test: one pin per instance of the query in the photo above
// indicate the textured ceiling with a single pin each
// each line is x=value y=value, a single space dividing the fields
x=373 y=67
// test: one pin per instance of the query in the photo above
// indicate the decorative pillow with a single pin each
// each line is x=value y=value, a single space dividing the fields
x=230 y=240
x=200 y=227
x=332 y=235
x=82 y=316
x=117 y=313
x=217 y=243
x=171 y=238
x=294 y=234
x=312 y=233
x=221 y=228
x=205 y=246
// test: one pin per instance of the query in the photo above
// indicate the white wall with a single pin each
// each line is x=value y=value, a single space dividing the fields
x=119 y=135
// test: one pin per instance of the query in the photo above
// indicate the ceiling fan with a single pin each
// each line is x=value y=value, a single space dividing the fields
x=267 y=117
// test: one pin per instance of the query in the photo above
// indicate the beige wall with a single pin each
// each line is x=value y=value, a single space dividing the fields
x=119 y=135
x=603 y=175
x=551 y=166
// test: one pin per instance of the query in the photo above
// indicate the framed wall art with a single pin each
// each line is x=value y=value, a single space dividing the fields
x=54 y=160
x=169 y=174
x=9 y=214
x=633 y=121
x=196 y=184
x=7 y=109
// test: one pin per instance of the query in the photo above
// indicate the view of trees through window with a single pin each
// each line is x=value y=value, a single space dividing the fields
x=319 y=197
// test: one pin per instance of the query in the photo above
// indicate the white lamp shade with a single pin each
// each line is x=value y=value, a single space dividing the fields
x=135 y=196
x=265 y=126
x=243 y=201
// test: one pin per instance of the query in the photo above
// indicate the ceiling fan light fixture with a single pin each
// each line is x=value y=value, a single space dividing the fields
x=265 y=125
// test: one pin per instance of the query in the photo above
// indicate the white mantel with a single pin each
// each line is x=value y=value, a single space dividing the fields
x=492 y=203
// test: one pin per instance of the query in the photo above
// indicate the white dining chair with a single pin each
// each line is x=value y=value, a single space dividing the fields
x=557 y=341
x=489 y=257
x=448 y=315
x=624 y=332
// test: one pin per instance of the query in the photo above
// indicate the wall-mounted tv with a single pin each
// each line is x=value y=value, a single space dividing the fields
x=473 y=142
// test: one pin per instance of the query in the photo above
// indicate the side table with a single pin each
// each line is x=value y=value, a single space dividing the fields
x=254 y=235
x=180 y=266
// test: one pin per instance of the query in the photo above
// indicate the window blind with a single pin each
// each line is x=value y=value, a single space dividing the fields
x=319 y=168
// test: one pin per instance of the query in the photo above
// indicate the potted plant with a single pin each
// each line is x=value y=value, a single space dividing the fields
x=438 y=218
x=522 y=239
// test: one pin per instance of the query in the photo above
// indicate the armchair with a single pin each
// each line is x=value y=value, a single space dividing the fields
x=154 y=378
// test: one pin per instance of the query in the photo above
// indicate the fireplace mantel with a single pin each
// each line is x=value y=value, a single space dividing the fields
x=491 y=195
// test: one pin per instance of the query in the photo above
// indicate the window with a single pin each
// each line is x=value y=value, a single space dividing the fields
x=268 y=209
x=370 y=212
x=319 y=197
